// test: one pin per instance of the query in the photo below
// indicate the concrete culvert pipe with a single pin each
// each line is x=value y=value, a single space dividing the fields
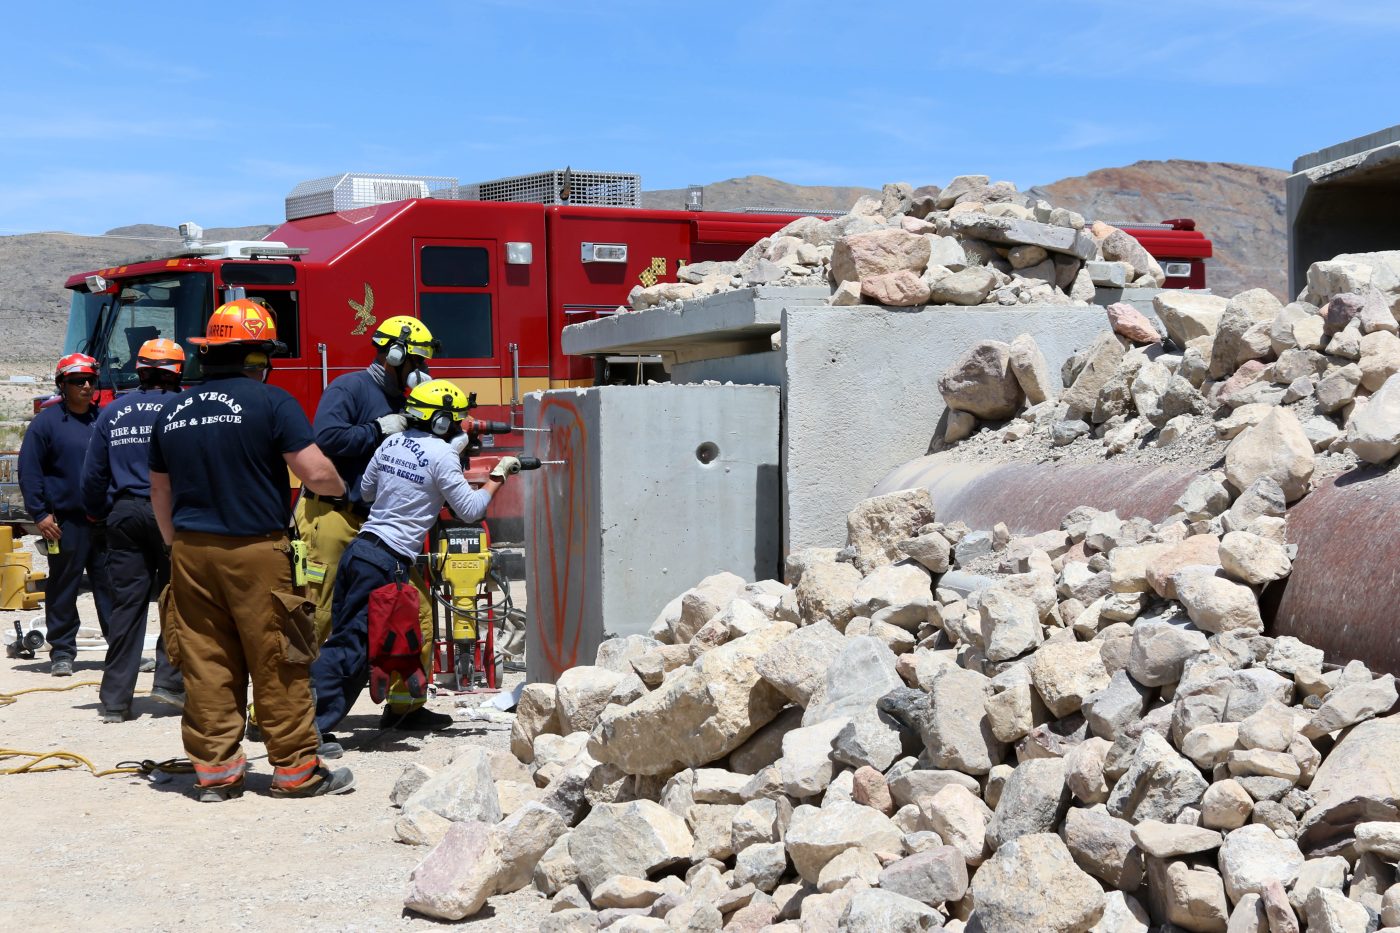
x=1341 y=595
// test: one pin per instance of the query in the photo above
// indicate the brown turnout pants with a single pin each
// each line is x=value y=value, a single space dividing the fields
x=236 y=616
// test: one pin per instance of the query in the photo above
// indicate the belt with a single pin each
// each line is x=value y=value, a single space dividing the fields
x=339 y=503
x=374 y=539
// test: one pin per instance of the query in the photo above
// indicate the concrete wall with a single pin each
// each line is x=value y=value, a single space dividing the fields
x=637 y=516
x=862 y=395
x=1343 y=199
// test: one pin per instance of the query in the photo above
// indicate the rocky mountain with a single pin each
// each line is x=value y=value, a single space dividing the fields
x=1240 y=207
x=34 y=266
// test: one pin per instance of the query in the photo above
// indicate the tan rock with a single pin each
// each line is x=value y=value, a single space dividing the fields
x=901 y=289
x=1187 y=315
x=1276 y=447
x=861 y=255
x=982 y=383
x=1198 y=549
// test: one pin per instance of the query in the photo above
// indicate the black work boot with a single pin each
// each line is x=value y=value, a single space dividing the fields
x=331 y=782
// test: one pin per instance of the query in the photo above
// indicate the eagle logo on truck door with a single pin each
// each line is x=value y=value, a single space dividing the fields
x=364 y=312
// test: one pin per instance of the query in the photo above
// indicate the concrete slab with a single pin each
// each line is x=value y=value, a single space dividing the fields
x=664 y=485
x=861 y=395
x=728 y=324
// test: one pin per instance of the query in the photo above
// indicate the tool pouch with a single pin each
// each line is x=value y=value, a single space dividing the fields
x=395 y=641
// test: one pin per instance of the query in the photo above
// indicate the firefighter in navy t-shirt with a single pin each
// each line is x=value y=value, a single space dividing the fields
x=219 y=487
x=50 y=478
x=117 y=486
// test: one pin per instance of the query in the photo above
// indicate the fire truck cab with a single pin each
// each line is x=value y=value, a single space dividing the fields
x=495 y=270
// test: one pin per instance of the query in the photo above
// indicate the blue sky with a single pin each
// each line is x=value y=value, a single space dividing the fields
x=113 y=114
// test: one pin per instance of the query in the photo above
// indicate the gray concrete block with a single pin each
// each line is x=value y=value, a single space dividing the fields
x=862 y=395
x=664 y=485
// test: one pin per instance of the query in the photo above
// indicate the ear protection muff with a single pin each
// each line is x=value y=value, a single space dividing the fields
x=398 y=349
x=440 y=424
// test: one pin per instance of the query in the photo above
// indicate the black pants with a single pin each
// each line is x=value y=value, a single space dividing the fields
x=83 y=547
x=137 y=568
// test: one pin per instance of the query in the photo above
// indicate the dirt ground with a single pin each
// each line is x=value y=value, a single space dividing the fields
x=126 y=853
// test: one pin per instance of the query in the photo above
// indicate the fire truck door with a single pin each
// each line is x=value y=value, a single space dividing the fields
x=457 y=292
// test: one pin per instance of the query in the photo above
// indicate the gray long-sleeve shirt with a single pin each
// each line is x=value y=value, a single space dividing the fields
x=407 y=480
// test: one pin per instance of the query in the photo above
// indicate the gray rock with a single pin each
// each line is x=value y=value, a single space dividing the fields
x=462 y=791
x=1103 y=846
x=1160 y=649
x=861 y=673
x=933 y=877
x=1112 y=709
x=1034 y=800
x=635 y=838
x=761 y=865
x=1015 y=232
x=1252 y=856
x=960 y=818
x=1010 y=625
x=1359 y=781
x=981 y=382
x=454 y=880
x=817 y=835
x=797 y=665
x=413 y=776
x=521 y=840
x=1158 y=784
x=806 y=767
x=1351 y=704
x=955 y=729
x=877 y=911
x=1173 y=840
x=1032 y=883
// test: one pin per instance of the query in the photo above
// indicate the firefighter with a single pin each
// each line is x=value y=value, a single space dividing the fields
x=50 y=479
x=117 y=486
x=356 y=413
x=407 y=481
x=219 y=456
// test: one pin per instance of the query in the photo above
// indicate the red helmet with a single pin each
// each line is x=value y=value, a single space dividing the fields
x=75 y=364
x=161 y=353
x=239 y=321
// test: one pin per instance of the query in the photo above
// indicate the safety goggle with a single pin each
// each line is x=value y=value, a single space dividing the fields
x=80 y=380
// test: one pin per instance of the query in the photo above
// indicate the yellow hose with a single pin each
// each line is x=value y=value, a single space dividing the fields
x=65 y=760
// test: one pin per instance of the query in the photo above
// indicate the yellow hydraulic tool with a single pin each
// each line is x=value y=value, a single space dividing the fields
x=459 y=579
x=20 y=586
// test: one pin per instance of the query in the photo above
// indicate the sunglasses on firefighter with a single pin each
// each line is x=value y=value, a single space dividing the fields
x=81 y=380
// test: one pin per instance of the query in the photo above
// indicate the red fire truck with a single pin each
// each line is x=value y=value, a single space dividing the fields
x=496 y=270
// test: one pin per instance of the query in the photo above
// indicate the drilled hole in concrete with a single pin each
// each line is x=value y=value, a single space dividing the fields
x=707 y=452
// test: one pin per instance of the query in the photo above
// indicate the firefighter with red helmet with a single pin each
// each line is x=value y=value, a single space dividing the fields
x=219 y=456
x=356 y=414
x=117 y=487
x=50 y=479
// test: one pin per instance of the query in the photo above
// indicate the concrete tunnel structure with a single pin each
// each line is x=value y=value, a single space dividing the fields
x=1343 y=199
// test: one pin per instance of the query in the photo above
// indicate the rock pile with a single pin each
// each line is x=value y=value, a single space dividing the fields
x=1281 y=384
x=972 y=242
x=1096 y=735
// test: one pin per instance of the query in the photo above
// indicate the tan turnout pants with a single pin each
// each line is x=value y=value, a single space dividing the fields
x=235 y=616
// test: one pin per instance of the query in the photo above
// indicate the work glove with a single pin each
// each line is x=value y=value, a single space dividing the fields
x=509 y=466
x=391 y=424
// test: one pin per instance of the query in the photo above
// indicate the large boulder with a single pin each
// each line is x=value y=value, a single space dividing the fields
x=1032 y=883
x=982 y=383
x=1252 y=856
x=816 y=835
x=876 y=526
x=698 y=714
x=1373 y=433
x=521 y=840
x=1230 y=347
x=826 y=593
x=878 y=252
x=797 y=665
x=583 y=692
x=1188 y=315
x=462 y=791
x=1359 y=781
x=1276 y=447
x=634 y=839
x=1101 y=362
x=454 y=880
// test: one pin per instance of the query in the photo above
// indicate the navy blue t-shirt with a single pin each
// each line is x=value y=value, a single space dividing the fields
x=222 y=445
x=51 y=462
x=118 y=460
x=345 y=425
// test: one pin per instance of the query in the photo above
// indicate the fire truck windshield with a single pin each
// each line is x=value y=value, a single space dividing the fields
x=112 y=326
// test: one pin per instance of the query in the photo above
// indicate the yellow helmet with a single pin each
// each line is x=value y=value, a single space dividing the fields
x=439 y=404
x=402 y=336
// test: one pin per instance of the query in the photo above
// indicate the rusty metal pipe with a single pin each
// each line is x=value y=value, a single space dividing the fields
x=1343 y=595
